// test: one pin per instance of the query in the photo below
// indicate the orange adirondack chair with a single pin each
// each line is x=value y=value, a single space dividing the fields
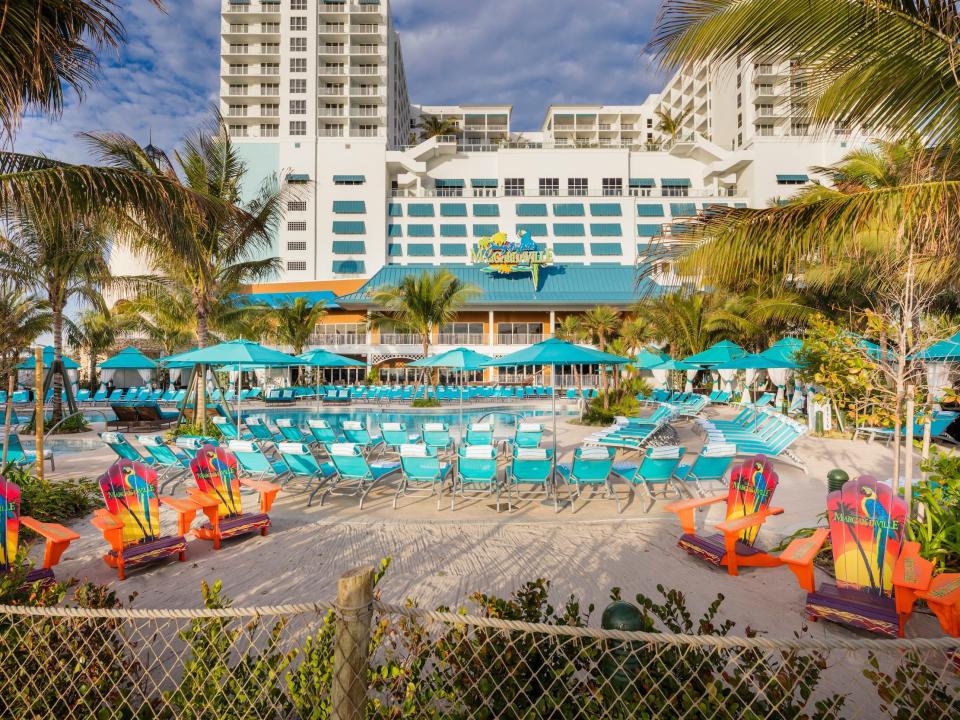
x=56 y=537
x=130 y=523
x=218 y=495
x=879 y=574
x=752 y=484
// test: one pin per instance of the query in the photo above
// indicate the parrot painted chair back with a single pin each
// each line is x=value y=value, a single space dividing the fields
x=216 y=472
x=130 y=518
x=750 y=491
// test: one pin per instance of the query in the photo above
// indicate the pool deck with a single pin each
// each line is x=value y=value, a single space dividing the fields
x=442 y=556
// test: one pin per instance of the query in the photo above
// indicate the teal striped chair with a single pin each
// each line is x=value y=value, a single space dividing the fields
x=528 y=435
x=302 y=464
x=711 y=465
x=476 y=473
x=354 y=475
x=656 y=471
x=532 y=467
x=421 y=470
x=591 y=467
x=255 y=465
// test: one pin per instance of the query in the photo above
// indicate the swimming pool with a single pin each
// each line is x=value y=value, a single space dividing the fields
x=503 y=418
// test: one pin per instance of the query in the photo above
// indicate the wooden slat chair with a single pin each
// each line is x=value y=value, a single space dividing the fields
x=56 y=537
x=751 y=488
x=879 y=574
x=354 y=476
x=130 y=523
x=215 y=471
x=591 y=467
x=476 y=473
x=421 y=469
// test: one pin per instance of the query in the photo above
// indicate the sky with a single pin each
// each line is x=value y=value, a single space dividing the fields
x=528 y=53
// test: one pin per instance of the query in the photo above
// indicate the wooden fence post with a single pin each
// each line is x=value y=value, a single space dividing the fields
x=350 y=645
x=38 y=422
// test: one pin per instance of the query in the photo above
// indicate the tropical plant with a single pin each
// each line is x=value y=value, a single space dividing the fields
x=420 y=303
x=601 y=324
x=433 y=126
x=687 y=321
x=93 y=333
x=295 y=323
x=59 y=263
x=937 y=526
x=671 y=124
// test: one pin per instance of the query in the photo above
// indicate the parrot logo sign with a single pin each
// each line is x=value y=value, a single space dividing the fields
x=502 y=256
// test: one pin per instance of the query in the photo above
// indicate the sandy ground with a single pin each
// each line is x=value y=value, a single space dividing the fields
x=441 y=557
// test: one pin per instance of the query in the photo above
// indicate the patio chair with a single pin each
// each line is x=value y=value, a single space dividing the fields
x=254 y=464
x=174 y=465
x=476 y=473
x=940 y=421
x=591 y=467
x=261 y=431
x=130 y=523
x=124 y=450
x=528 y=435
x=655 y=470
x=436 y=435
x=255 y=394
x=56 y=537
x=16 y=455
x=395 y=435
x=711 y=465
x=354 y=431
x=479 y=434
x=83 y=396
x=322 y=432
x=420 y=468
x=229 y=429
x=751 y=488
x=531 y=466
x=293 y=433
x=302 y=464
x=215 y=471
x=765 y=400
x=354 y=475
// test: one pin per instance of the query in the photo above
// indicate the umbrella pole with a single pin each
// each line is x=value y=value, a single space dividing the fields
x=239 y=384
x=316 y=380
x=461 y=407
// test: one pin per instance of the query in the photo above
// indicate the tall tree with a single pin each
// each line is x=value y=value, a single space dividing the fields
x=421 y=303
x=433 y=126
x=671 y=124
x=295 y=323
x=601 y=324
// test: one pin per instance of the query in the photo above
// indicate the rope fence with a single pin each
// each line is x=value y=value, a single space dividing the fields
x=361 y=658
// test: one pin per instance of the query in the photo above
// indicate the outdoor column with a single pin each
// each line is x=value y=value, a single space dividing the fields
x=553 y=323
x=489 y=373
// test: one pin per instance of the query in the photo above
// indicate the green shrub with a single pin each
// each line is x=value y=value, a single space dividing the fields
x=426 y=403
x=70 y=426
x=54 y=501
x=209 y=430
x=937 y=528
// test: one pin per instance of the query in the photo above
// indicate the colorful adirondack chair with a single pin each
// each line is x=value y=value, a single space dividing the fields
x=751 y=488
x=879 y=574
x=131 y=521
x=218 y=494
x=56 y=537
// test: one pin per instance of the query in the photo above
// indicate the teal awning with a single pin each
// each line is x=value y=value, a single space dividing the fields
x=453 y=210
x=395 y=210
x=349 y=227
x=486 y=210
x=484 y=182
x=349 y=267
x=298 y=178
x=350 y=207
x=453 y=249
x=535 y=229
x=799 y=179
x=649 y=229
x=420 y=230
x=130 y=358
x=394 y=231
x=674 y=182
x=605 y=209
x=448 y=183
x=349 y=247
x=531 y=210
x=643 y=182
x=420 y=250
x=564 y=249
x=606 y=249
x=453 y=231
x=568 y=230
x=482 y=230
x=349 y=178
x=650 y=210
x=568 y=209
x=606 y=230
x=30 y=362
x=420 y=210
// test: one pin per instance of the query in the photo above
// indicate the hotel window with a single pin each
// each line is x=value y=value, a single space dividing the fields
x=739 y=139
x=765 y=110
x=549 y=186
x=270 y=109
x=462 y=333
x=484 y=191
x=300 y=245
x=270 y=48
x=270 y=68
x=237 y=130
x=270 y=27
x=297 y=225
x=239 y=48
x=298 y=127
x=739 y=81
x=238 y=89
x=612 y=186
x=797 y=128
x=298 y=107
x=298 y=65
x=298 y=85
x=237 y=111
x=298 y=4
x=739 y=120
x=269 y=89
x=576 y=186
x=297 y=205
x=739 y=99
x=649 y=123
x=238 y=69
x=296 y=265
x=298 y=44
x=513 y=187
x=298 y=23
x=765 y=130
x=269 y=130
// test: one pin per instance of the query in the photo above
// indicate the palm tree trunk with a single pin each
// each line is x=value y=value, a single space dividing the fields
x=93 y=372
x=200 y=416
x=8 y=415
x=57 y=380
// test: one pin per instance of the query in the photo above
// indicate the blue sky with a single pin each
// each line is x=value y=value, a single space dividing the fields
x=526 y=52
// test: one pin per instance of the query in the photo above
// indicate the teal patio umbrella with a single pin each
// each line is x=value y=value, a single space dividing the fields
x=758 y=362
x=31 y=362
x=944 y=351
x=720 y=352
x=130 y=358
x=556 y=353
x=234 y=353
x=649 y=357
x=321 y=358
x=462 y=359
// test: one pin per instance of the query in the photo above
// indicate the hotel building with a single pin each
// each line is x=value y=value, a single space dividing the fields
x=315 y=92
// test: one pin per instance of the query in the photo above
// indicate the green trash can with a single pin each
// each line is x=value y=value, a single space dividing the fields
x=836 y=479
x=621 y=663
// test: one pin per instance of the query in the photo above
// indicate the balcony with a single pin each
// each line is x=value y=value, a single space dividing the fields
x=338 y=339
x=330 y=112
x=519 y=338
x=364 y=132
x=332 y=28
x=332 y=50
x=459 y=339
x=331 y=132
x=400 y=339
x=365 y=112
x=366 y=29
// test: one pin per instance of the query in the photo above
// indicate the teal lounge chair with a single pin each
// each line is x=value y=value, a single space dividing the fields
x=479 y=434
x=302 y=464
x=476 y=473
x=532 y=467
x=16 y=455
x=171 y=465
x=656 y=470
x=356 y=432
x=229 y=429
x=261 y=431
x=121 y=446
x=322 y=432
x=354 y=475
x=711 y=465
x=293 y=433
x=255 y=465
x=591 y=467
x=190 y=444
x=395 y=435
x=436 y=435
x=528 y=435
x=421 y=469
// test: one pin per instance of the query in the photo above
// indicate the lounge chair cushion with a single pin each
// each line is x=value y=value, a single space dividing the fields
x=594 y=453
x=529 y=427
x=413 y=451
x=150 y=440
x=319 y=424
x=243 y=446
x=343 y=448
x=112 y=438
x=283 y=422
x=434 y=427
x=293 y=448
x=392 y=427
x=665 y=452
x=531 y=454
x=720 y=449
x=192 y=443
x=481 y=427
x=480 y=452
x=352 y=425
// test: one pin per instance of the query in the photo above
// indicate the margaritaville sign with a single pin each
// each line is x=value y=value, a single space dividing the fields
x=503 y=256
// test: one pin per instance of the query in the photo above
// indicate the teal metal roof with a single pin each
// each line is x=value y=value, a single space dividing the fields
x=486 y=210
x=453 y=209
x=568 y=209
x=350 y=207
x=558 y=285
x=276 y=300
x=605 y=209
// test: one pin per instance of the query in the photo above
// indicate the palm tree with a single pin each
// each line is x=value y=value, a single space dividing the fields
x=294 y=324
x=420 y=303
x=160 y=318
x=571 y=330
x=432 y=126
x=22 y=319
x=669 y=124
x=93 y=333
x=601 y=324
x=58 y=263
x=686 y=321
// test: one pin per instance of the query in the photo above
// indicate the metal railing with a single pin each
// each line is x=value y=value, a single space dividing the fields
x=462 y=339
x=400 y=339
x=339 y=339
x=519 y=339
